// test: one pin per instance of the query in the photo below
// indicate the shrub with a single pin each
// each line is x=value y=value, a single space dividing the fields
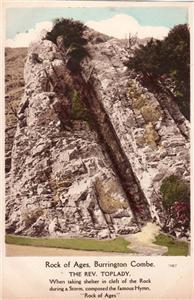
x=74 y=56
x=72 y=38
x=170 y=59
x=174 y=189
x=71 y=31
x=180 y=211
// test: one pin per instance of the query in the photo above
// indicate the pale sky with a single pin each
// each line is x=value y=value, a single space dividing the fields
x=23 y=25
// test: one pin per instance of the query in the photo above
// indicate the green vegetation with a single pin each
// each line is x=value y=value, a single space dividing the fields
x=175 y=248
x=174 y=189
x=176 y=201
x=78 y=108
x=119 y=244
x=71 y=31
x=168 y=61
x=72 y=41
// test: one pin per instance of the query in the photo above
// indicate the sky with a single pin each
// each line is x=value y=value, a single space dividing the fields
x=23 y=25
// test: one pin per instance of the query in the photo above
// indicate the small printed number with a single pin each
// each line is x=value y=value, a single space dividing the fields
x=172 y=265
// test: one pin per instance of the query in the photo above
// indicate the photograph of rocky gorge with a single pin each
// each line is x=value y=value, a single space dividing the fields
x=97 y=132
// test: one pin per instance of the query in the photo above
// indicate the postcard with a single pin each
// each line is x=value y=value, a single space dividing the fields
x=96 y=120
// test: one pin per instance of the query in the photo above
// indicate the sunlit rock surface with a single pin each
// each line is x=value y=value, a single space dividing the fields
x=72 y=177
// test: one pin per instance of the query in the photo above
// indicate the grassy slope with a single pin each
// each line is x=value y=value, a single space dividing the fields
x=175 y=248
x=119 y=245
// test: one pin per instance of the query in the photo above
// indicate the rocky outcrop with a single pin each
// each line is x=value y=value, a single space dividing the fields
x=153 y=136
x=14 y=89
x=62 y=180
x=96 y=174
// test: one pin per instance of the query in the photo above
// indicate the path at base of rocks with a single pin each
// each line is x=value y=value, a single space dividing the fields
x=142 y=242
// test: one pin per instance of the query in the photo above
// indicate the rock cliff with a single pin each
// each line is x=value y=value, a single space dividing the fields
x=14 y=89
x=92 y=147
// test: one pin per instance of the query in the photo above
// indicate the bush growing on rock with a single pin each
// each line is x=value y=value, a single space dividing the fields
x=174 y=189
x=71 y=31
x=176 y=200
x=75 y=55
x=180 y=211
x=168 y=62
x=72 y=39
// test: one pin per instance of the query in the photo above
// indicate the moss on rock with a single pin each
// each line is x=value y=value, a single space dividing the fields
x=150 y=113
x=151 y=136
x=78 y=108
x=107 y=201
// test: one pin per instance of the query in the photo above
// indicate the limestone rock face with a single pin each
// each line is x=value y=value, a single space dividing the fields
x=155 y=140
x=70 y=177
x=14 y=86
x=62 y=182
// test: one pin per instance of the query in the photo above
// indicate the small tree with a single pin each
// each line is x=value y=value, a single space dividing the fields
x=73 y=40
x=71 y=31
x=169 y=58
